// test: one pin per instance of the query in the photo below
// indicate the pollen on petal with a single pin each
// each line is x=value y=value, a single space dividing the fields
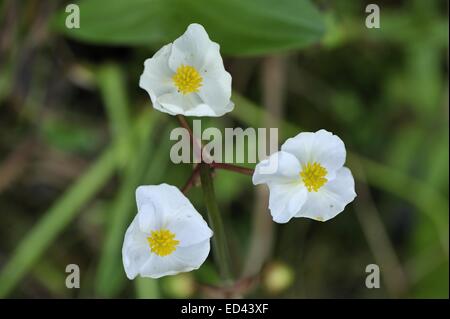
x=187 y=79
x=313 y=175
x=162 y=242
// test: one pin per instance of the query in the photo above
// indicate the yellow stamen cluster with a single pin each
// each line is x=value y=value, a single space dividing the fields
x=162 y=242
x=313 y=175
x=187 y=79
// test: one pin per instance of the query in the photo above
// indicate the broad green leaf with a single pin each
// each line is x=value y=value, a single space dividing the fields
x=250 y=27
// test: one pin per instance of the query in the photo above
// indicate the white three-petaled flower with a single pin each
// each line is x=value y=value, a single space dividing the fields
x=166 y=237
x=309 y=178
x=187 y=77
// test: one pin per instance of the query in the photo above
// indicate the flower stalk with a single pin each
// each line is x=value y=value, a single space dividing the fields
x=191 y=181
x=233 y=168
x=198 y=148
x=221 y=253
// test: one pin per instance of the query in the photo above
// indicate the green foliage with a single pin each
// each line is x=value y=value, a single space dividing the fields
x=250 y=27
x=111 y=83
x=54 y=221
x=69 y=136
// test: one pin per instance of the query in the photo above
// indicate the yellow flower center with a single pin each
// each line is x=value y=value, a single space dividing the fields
x=162 y=242
x=187 y=79
x=313 y=175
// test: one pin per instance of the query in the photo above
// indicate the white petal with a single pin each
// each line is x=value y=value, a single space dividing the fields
x=185 y=104
x=164 y=207
x=279 y=167
x=166 y=199
x=286 y=200
x=183 y=259
x=157 y=76
x=216 y=92
x=216 y=88
x=192 y=257
x=331 y=199
x=322 y=147
x=189 y=105
x=192 y=48
x=149 y=219
x=189 y=227
x=159 y=266
x=135 y=250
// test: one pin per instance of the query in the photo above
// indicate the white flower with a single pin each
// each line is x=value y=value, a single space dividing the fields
x=188 y=77
x=309 y=179
x=166 y=237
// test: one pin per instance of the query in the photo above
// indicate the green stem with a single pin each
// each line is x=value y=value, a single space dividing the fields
x=221 y=253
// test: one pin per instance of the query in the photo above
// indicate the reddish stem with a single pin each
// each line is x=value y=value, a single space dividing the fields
x=198 y=150
x=232 y=167
x=197 y=145
x=191 y=180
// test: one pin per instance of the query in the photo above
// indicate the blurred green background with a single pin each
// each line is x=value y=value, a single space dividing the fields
x=77 y=135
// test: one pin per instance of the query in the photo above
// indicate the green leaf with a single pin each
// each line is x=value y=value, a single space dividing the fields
x=112 y=87
x=250 y=27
